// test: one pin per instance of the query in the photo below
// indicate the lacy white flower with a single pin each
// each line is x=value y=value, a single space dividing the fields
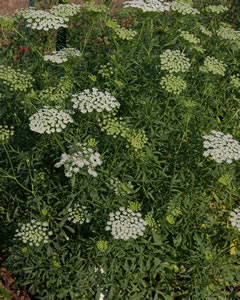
x=221 y=147
x=34 y=233
x=217 y=9
x=65 y=10
x=126 y=224
x=204 y=30
x=235 y=218
x=49 y=120
x=235 y=81
x=15 y=80
x=229 y=34
x=80 y=156
x=183 y=8
x=148 y=5
x=173 y=84
x=43 y=20
x=212 y=65
x=121 y=188
x=174 y=61
x=88 y=101
x=5 y=133
x=78 y=214
x=187 y=36
x=62 y=55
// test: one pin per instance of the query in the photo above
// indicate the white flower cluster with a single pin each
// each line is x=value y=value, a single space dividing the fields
x=187 y=36
x=173 y=84
x=126 y=224
x=78 y=214
x=124 y=33
x=43 y=20
x=65 y=10
x=49 y=120
x=62 y=55
x=34 y=233
x=218 y=9
x=235 y=218
x=5 y=133
x=235 y=81
x=212 y=65
x=183 y=8
x=121 y=188
x=148 y=5
x=96 y=100
x=81 y=156
x=221 y=147
x=229 y=34
x=174 y=61
x=204 y=30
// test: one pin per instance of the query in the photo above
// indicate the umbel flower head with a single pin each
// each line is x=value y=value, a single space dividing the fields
x=34 y=233
x=43 y=20
x=5 y=133
x=174 y=61
x=221 y=147
x=235 y=81
x=217 y=9
x=88 y=101
x=148 y=5
x=80 y=156
x=235 y=218
x=78 y=214
x=62 y=55
x=183 y=8
x=212 y=65
x=49 y=120
x=173 y=84
x=126 y=224
x=121 y=188
x=65 y=10
x=187 y=36
x=229 y=34
x=204 y=30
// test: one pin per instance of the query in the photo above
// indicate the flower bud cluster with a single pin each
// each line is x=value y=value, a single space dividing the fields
x=235 y=218
x=204 y=30
x=120 y=188
x=229 y=34
x=5 y=133
x=34 y=233
x=106 y=71
x=212 y=65
x=124 y=33
x=173 y=84
x=217 y=9
x=151 y=221
x=174 y=61
x=91 y=7
x=235 y=81
x=96 y=100
x=102 y=245
x=126 y=224
x=183 y=8
x=49 y=120
x=43 y=20
x=62 y=55
x=148 y=5
x=80 y=156
x=65 y=10
x=221 y=147
x=78 y=214
x=187 y=36
x=15 y=80
x=198 y=48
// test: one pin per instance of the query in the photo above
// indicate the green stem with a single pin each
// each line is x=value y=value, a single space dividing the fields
x=59 y=143
x=139 y=37
x=88 y=34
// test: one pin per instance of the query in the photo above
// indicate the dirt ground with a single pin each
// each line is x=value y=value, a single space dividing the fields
x=8 y=7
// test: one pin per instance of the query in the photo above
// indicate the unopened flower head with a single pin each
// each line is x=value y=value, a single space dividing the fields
x=125 y=224
x=183 y=8
x=106 y=71
x=173 y=84
x=124 y=33
x=121 y=188
x=235 y=81
x=34 y=233
x=205 y=31
x=221 y=147
x=65 y=10
x=229 y=34
x=62 y=55
x=174 y=61
x=43 y=20
x=81 y=155
x=93 y=8
x=49 y=120
x=78 y=214
x=5 y=133
x=15 y=80
x=148 y=5
x=102 y=245
x=213 y=65
x=235 y=218
x=217 y=9
x=187 y=36
x=88 y=101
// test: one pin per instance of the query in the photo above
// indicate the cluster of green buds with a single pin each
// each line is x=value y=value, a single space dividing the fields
x=213 y=65
x=173 y=211
x=217 y=9
x=173 y=84
x=121 y=188
x=204 y=30
x=235 y=81
x=15 y=80
x=191 y=38
x=149 y=219
x=93 y=9
x=106 y=71
x=134 y=206
x=102 y=245
x=122 y=32
x=78 y=214
x=5 y=133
